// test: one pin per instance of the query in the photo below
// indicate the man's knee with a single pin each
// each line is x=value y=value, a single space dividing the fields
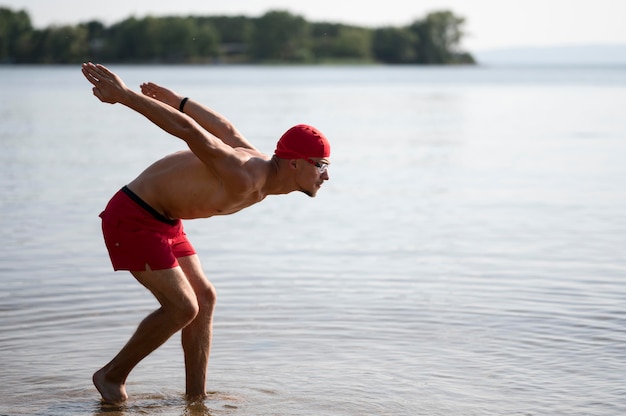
x=207 y=296
x=186 y=311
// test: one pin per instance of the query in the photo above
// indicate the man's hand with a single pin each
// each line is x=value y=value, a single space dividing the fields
x=162 y=94
x=108 y=87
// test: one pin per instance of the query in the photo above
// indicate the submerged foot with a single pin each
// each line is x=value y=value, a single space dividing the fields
x=112 y=393
x=195 y=398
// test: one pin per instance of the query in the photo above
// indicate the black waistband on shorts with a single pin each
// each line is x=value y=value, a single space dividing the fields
x=143 y=204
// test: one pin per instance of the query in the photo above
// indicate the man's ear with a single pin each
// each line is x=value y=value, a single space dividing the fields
x=293 y=163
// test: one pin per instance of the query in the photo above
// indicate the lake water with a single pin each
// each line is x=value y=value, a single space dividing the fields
x=465 y=258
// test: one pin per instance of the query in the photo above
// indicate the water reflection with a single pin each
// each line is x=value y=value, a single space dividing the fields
x=465 y=259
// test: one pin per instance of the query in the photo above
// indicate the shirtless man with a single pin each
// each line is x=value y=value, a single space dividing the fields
x=221 y=174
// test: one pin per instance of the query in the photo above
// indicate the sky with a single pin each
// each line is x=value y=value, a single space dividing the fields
x=490 y=24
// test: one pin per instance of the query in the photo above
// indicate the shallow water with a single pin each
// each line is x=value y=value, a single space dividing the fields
x=466 y=257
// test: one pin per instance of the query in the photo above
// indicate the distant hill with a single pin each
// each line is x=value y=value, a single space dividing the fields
x=599 y=54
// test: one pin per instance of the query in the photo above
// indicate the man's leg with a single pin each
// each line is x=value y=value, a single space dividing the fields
x=196 y=337
x=178 y=308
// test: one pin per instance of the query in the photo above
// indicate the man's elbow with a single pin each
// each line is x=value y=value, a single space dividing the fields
x=188 y=130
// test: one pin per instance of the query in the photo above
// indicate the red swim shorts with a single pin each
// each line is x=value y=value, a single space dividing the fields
x=137 y=236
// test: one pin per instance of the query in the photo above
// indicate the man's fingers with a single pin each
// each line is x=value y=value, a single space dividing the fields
x=148 y=88
x=89 y=75
x=96 y=73
x=100 y=75
x=103 y=72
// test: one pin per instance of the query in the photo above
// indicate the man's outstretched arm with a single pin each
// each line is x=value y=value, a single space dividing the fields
x=110 y=88
x=209 y=119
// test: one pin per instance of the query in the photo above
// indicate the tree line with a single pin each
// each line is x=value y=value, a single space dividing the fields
x=277 y=36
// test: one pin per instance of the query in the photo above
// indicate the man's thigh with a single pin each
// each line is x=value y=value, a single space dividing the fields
x=192 y=269
x=169 y=286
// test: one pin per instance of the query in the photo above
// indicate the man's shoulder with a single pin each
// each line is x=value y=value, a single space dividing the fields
x=249 y=153
x=250 y=172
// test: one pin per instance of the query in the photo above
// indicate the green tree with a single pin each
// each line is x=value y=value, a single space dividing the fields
x=233 y=34
x=127 y=41
x=439 y=34
x=96 y=39
x=206 y=42
x=280 y=36
x=64 y=44
x=163 y=39
x=337 y=41
x=172 y=38
x=277 y=36
x=395 y=45
x=15 y=30
x=231 y=29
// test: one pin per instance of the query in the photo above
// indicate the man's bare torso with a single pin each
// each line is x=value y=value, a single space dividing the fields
x=180 y=186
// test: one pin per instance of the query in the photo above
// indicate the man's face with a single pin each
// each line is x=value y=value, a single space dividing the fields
x=312 y=173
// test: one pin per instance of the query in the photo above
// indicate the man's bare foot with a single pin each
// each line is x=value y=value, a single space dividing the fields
x=112 y=393
x=195 y=397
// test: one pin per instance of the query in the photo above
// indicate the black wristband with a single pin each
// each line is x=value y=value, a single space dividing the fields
x=182 y=104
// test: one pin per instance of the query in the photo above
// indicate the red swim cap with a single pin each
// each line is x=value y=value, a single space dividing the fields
x=301 y=142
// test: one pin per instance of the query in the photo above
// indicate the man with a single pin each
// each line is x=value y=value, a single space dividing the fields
x=221 y=174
